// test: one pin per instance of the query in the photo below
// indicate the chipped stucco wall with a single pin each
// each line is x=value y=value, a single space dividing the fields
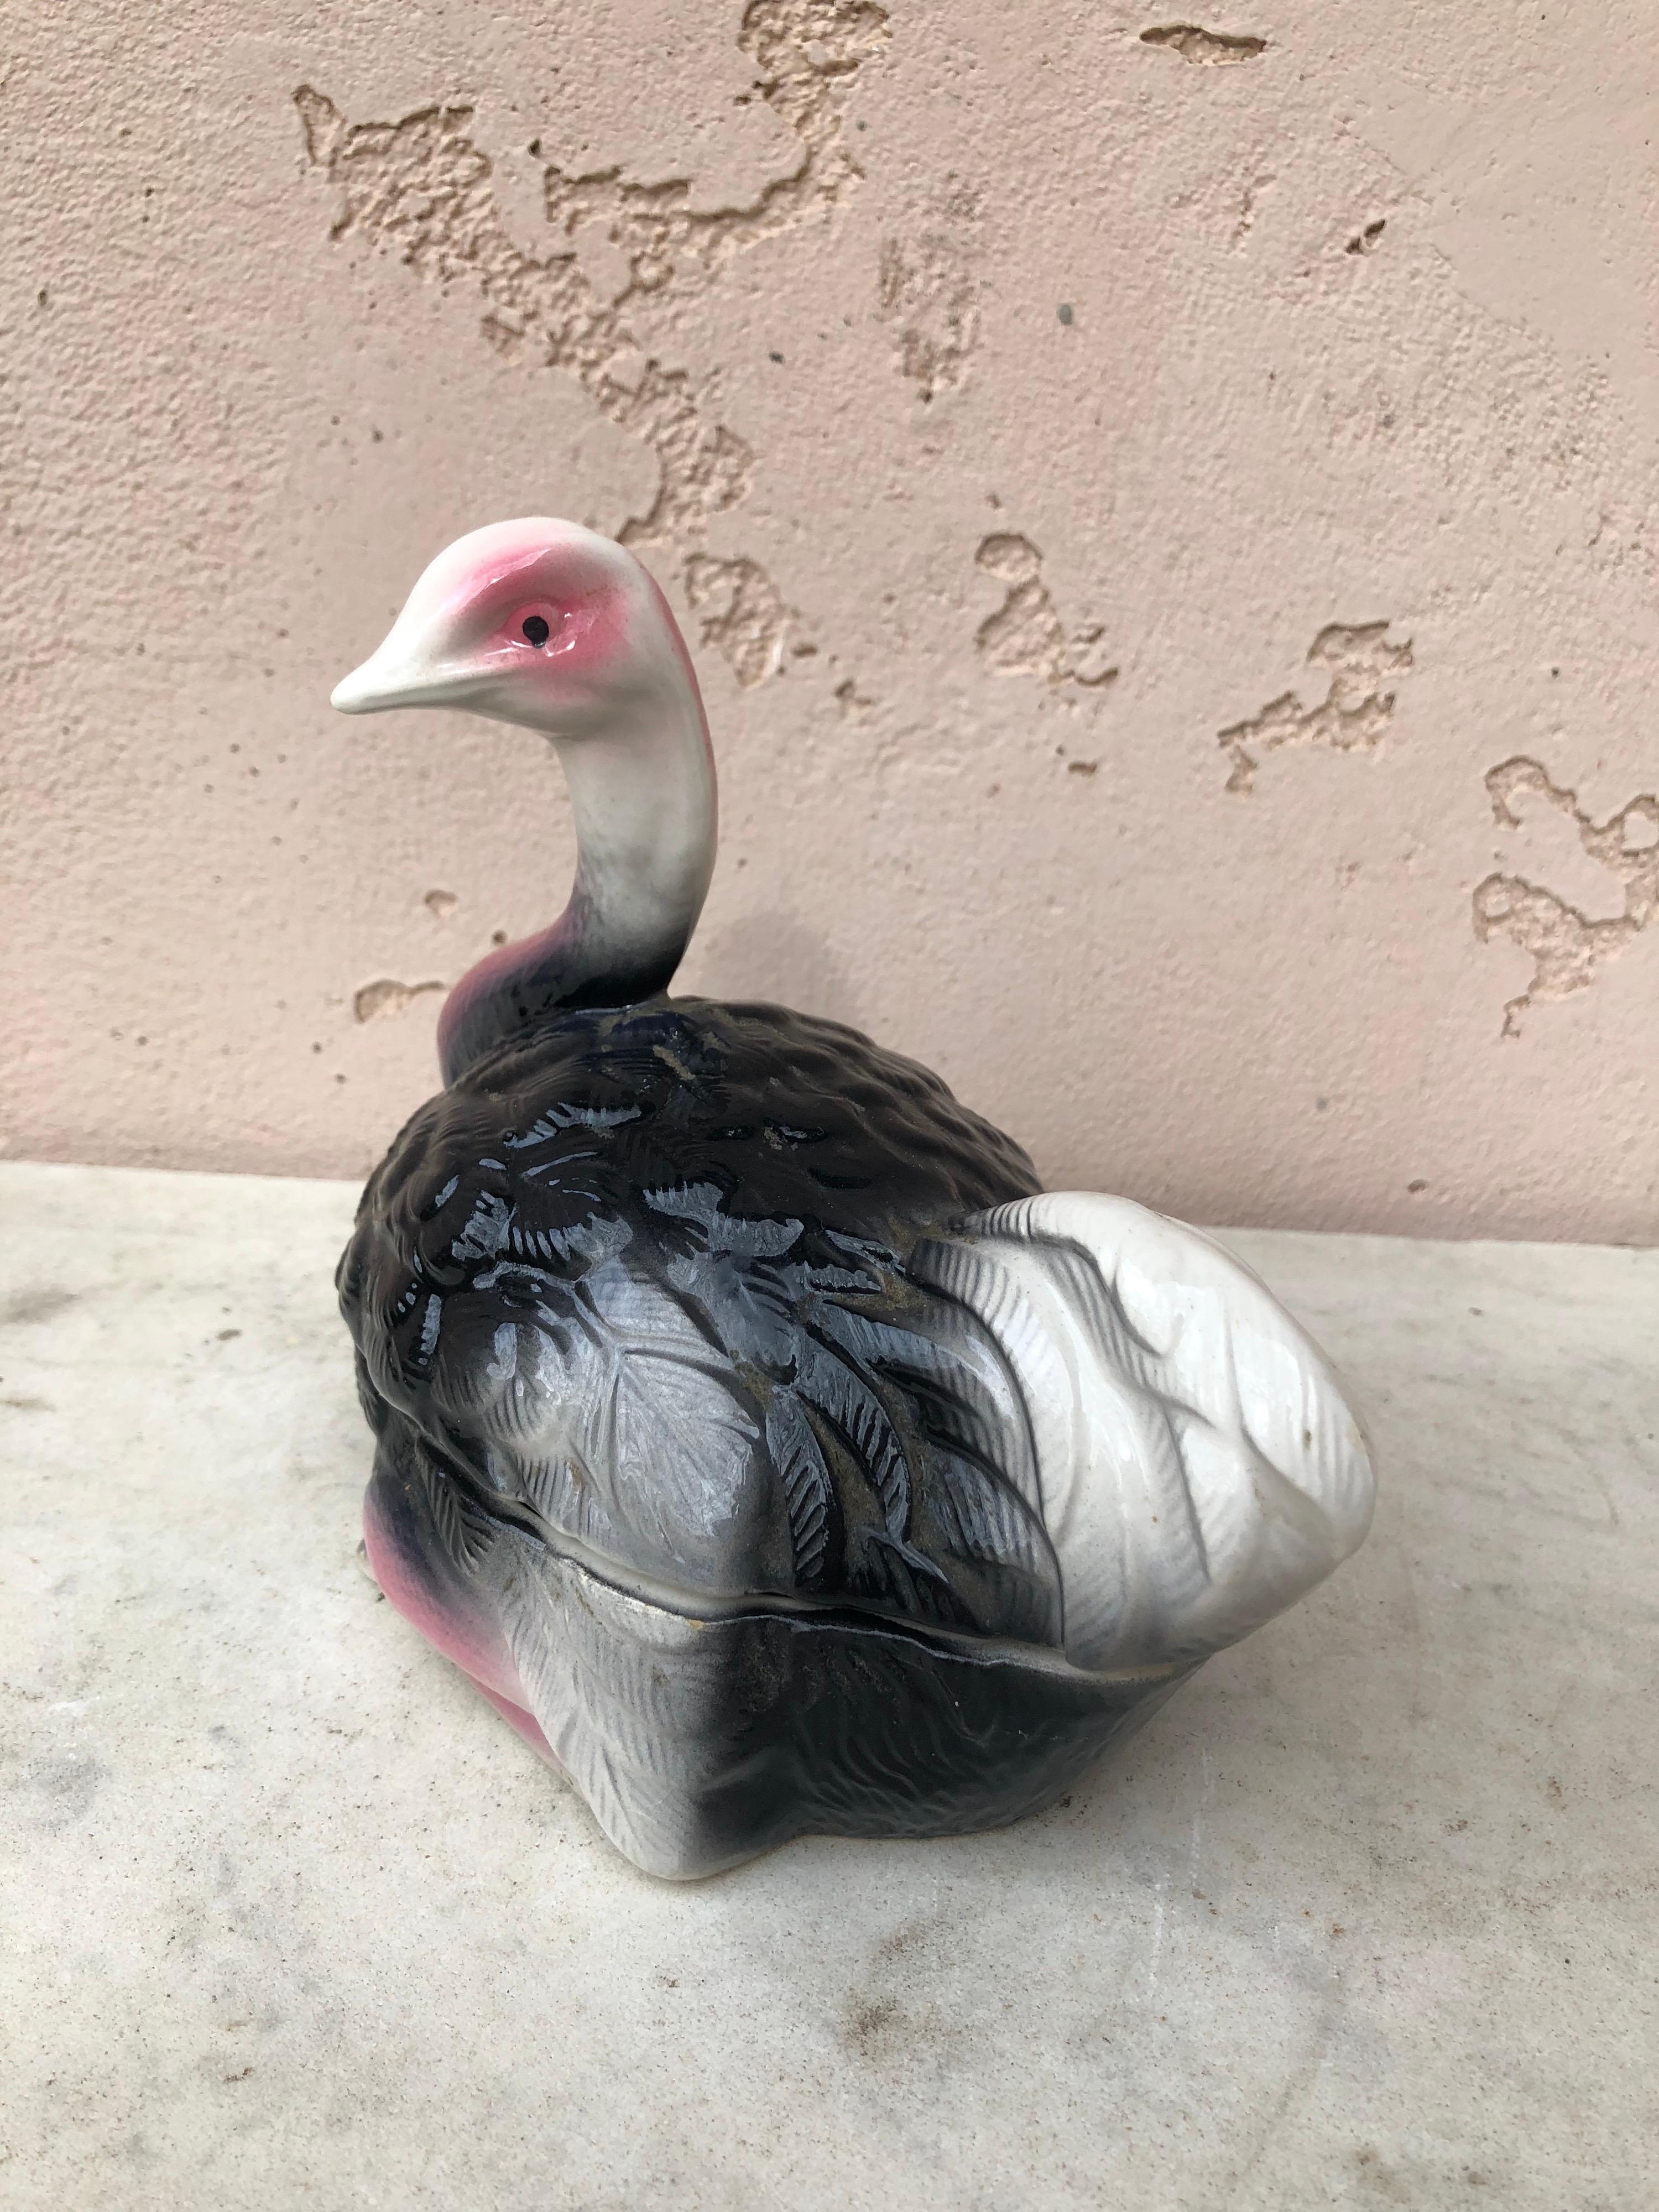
x=1163 y=511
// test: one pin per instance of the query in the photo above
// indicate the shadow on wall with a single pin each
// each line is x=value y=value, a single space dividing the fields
x=775 y=957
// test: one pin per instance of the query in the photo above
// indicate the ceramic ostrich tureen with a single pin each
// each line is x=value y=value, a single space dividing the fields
x=755 y=1431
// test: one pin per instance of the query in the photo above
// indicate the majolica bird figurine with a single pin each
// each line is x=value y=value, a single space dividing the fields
x=763 y=1441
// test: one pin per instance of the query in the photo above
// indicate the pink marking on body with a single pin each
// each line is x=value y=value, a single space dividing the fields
x=525 y=956
x=477 y=1650
x=516 y=1717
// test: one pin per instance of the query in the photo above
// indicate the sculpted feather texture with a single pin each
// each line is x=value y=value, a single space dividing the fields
x=753 y=1430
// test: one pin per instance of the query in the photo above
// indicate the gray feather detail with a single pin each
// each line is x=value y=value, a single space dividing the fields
x=807 y=1487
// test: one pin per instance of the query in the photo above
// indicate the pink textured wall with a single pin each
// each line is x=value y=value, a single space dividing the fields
x=1165 y=523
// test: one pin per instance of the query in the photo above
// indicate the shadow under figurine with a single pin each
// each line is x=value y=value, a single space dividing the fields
x=754 y=1431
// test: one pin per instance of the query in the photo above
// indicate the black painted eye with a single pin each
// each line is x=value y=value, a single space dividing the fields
x=536 y=629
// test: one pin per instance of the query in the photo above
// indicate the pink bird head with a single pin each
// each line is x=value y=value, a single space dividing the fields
x=539 y=623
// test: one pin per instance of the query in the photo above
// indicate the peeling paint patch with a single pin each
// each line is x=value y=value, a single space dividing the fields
x=421 y=189
x=1352 y=717
x=928 y=287
x=441 y=904
x=1205 y=48
x=384 y=1000
x=1249 y=202
x=1025 y=635
x=742 y=613
x=1566 y=946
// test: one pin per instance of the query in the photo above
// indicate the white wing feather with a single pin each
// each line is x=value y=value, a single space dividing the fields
x=1200 y=1466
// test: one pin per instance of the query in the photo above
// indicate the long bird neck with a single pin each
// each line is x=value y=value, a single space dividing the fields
x=642 y=794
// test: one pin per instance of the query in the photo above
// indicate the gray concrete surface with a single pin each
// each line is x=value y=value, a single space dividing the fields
x=1365 y=1918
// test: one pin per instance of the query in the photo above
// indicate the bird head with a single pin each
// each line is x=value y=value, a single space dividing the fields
x=539 y=623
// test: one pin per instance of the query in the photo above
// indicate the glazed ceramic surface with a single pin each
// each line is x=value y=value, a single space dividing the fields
x=752 y=1428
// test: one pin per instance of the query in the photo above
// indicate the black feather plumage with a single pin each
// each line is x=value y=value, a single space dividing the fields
x=634 y=1285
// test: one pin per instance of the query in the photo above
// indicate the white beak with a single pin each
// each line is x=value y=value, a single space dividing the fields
x=390 y=677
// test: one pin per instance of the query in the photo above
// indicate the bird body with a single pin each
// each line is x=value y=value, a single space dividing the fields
x=749 y=1426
